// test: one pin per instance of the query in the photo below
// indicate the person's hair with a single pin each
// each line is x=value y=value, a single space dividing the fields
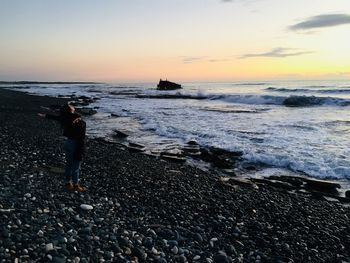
x=65 y=110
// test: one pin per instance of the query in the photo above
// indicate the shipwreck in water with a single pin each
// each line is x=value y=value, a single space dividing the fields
x=168 y=85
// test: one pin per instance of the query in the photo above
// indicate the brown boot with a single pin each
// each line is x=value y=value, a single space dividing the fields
x=79 y=188
x=69 y=186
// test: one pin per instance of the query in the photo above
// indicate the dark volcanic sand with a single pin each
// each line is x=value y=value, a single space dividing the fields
x=145 y=209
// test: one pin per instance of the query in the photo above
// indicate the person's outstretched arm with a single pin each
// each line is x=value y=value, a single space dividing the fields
x=50 y=116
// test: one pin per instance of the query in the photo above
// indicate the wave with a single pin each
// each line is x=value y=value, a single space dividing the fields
x=337 y=123
x=291 y=101
x=305 y=90
x=303 y=101
x=318 y=86
x=286 y=89
x=255 y=99
x=345 y=90
x=332 y=170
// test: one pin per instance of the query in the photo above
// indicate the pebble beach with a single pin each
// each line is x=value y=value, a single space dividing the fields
x=139 y=208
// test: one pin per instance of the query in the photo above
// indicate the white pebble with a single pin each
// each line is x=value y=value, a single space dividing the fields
x=175 y=250
x=86 y=207
x=214 y=239
x=49 y=247
x=6 y=210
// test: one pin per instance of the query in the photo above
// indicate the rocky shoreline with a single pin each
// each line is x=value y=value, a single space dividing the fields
x=143 y=209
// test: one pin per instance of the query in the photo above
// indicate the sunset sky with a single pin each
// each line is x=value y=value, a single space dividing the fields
x=144 y=40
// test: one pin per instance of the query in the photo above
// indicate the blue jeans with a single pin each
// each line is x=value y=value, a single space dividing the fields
x=72 y=170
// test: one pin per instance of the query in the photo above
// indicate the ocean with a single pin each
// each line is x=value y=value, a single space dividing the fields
x=299 y=126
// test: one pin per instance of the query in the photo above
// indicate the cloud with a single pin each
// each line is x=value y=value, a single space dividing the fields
x=321 y=21
x=188 y=60
x=278 y=53
x=214 y=60
x=193 y=59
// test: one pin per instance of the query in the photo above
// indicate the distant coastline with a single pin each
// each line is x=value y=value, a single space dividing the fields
x=47 y=82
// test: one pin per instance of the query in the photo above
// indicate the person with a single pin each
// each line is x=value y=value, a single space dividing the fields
x=74 y=128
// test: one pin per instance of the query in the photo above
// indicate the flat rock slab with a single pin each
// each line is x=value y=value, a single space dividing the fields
x=136 y=149
x=322 y=186
x=241 y=182
x=277 y=184
x=173 y=158
x=137 y=145
x=296 y=181
x=120 y=134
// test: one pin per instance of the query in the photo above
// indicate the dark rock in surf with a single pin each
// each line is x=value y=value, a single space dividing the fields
x=322 y=186
x=302 y=101
x=222 y=162
x=120 y=134
x=347 y=194
x=220 y=157
x=168 y=85
x=192 y=142
x=206 y=155
x=86 y=99
x=219 y=151
x=86 y=111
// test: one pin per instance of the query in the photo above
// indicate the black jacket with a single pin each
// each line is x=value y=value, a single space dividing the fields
x=73 y=130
